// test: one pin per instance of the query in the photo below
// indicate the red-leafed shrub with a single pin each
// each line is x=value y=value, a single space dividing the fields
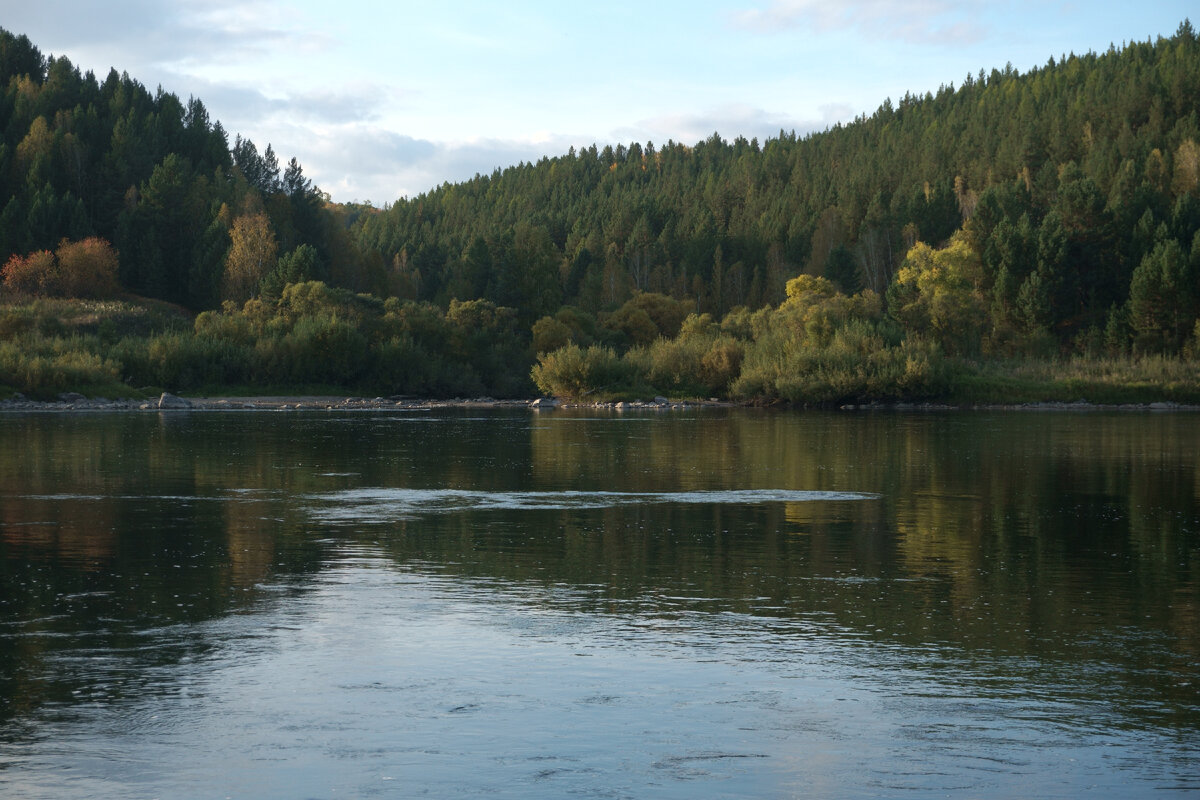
x=35 y=273
x=86 y=268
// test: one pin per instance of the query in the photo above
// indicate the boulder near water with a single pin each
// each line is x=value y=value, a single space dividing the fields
x=169 y=400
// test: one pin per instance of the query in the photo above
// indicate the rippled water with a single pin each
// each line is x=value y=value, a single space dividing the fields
x=719 y=604
x=374 y=505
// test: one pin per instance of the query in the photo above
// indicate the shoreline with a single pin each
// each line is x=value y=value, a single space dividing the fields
x=74 y=402
x=70 y=401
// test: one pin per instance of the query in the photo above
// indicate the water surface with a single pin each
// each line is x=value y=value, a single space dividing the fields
x=515 y=604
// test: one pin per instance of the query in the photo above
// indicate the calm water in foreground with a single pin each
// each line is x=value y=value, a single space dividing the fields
x=649 y=605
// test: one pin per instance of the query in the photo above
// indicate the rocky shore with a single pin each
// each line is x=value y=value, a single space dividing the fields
x=72 y=401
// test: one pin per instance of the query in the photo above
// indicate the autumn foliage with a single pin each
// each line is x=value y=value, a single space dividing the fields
x=31 y=274
x=251 y=256
x=87 y=268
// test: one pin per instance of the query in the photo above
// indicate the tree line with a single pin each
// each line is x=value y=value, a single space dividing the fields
x=158 y=180
x=1016 y=215
x=1064 y=178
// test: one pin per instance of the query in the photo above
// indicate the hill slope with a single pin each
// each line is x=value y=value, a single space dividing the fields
x=1070 y=169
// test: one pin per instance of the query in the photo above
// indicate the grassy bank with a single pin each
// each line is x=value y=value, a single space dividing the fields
x=312 y=339
x=316 y=340
x=894 y=378
x=1101 y=380
x=49 y=345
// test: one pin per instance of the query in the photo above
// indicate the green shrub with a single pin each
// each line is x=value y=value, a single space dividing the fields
x=858 y=364
x=575 y=373
x=670 y=366
x=133 y=354
x=550 y=334
x=400 y=366
x=46 y=373
x=181 y=362
x=721 y=364
x=15 y=321
x=325 y=349
x=233 y=327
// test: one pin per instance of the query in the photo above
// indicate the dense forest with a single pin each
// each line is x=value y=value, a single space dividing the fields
x=1073 y=173
x=151 y=175
x=1016 y=217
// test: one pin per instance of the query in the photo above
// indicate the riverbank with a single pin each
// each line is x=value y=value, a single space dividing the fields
x=71 y=401
x=51 y=350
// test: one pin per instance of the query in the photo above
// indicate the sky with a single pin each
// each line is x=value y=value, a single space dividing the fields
x=383 y=100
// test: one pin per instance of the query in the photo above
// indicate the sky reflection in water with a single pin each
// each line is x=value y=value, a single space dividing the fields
x=725 y=605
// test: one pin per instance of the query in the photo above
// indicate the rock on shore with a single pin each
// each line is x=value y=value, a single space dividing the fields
x=70 y=401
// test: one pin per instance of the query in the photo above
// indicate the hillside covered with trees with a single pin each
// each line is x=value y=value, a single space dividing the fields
x=1016 y=219
x=153 y=176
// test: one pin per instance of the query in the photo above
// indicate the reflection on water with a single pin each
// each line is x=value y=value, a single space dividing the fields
x=717 y=604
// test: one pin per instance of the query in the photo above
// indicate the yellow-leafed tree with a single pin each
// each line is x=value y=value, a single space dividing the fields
x=252 y=254
x=939 y=293
x=87 y=268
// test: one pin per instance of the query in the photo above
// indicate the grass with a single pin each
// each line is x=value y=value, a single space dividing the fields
x=1099 y=380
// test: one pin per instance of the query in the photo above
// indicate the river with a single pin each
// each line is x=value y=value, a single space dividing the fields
x=716 y=603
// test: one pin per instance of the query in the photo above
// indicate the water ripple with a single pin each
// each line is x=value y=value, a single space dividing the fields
x=382 y=505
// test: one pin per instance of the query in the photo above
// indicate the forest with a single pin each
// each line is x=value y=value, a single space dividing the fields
x=1019 y=236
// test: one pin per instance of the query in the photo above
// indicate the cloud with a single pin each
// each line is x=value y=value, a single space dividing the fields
x=357 y=103
x=152 y=32
x=235 y=106
x=210 y=50
x=730 y=121
x=913 y=21
x=333 y=106
x=362 y=162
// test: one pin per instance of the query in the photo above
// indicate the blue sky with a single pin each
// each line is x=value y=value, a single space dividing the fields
x=380 y=100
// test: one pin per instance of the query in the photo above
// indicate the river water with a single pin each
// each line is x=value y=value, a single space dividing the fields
x=705 y=604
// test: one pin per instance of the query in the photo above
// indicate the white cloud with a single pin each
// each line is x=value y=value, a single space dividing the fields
x=361 y=162
x=730 y=121
x=344 y=104
x=914 y=21
x=146 y=33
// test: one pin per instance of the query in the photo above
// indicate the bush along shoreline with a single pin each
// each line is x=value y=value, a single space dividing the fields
x=819 y=348
x=823 y=348
x=313 y=339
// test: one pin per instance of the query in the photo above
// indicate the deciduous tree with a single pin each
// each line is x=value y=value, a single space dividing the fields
x=31 y=274
x=251 y=256
x=87 y=268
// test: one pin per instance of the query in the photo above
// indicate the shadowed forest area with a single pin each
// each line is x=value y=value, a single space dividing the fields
x=1015 y=237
